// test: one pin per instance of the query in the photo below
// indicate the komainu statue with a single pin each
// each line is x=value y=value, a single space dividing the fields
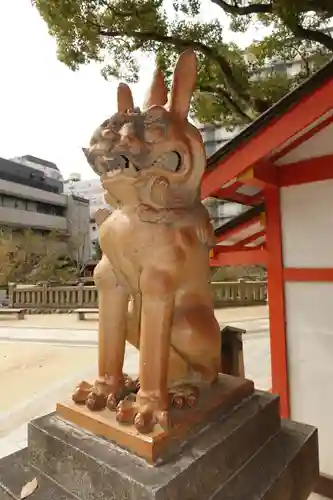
x=153 y=279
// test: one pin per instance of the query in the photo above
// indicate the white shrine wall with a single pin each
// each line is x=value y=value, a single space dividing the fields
x=307 y=240
x=307 y=225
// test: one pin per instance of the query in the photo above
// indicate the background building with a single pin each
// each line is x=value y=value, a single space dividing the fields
x=92 y=191
x=32 y=197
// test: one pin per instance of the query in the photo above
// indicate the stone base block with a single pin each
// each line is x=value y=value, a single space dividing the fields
x=215 y=401
x=247 y=454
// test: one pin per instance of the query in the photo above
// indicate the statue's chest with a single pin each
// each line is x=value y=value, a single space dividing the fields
x=131 y=245
x=126 y=238
x=118 y=234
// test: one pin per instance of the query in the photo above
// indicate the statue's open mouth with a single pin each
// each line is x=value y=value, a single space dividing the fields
x=170 y=161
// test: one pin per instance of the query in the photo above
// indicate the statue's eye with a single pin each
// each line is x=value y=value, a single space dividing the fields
x=172 y=161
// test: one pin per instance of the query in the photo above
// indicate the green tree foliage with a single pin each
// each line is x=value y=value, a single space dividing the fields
x=27 y=257
x=116 y=32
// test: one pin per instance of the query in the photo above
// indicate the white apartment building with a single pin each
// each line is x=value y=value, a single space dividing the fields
x=90 y=190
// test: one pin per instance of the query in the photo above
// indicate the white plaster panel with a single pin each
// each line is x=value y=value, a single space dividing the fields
x=320 y=144
x=307 y=225
x=309 y=312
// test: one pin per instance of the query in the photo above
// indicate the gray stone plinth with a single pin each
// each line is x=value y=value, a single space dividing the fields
x=15 y=472
x=245 y=455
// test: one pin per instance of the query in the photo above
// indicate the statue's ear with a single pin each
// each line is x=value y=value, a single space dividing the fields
x=158 y=93
x=124 y=98
x=183 y=84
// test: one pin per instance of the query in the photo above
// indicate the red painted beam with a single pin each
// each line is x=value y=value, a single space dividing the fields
x=239 y=258
x=237 y=229
x=307 y=275
x=305 y=171
x=278 y=132
x=249 y=239
x=231 y=249
x=225 y=192
x=230 y=194
x=261 y=176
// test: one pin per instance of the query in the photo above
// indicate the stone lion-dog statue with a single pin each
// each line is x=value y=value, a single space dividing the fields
x=153 y=278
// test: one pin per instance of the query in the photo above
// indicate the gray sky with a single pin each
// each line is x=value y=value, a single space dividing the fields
x=46 y=109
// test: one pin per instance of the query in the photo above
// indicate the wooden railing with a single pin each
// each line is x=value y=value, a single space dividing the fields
x=65 y=298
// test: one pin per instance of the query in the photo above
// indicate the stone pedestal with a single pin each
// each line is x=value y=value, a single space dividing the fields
x=243 y=453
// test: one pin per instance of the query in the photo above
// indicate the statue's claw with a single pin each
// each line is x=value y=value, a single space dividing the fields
x=81 y=392
x=95 y=401
x=144 y=418
x=102 y=394
x=184 y=396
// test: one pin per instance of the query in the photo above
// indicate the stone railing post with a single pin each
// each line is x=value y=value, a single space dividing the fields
x=11 y=294
x=44 y=294
x=80 y=290
x=242 y=291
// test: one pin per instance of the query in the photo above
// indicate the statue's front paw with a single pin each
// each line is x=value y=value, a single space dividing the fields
x=142 y=416
x=81 y=392
x=104 y=393
x=143 y=412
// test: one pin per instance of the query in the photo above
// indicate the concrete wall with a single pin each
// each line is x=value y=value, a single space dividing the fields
x=307 y=231
x=24 y=218
x=31 y=193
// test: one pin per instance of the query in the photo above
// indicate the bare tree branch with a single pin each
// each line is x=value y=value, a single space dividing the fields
x=230 y=102
x=244 y=10
x=313 y=35
x=230 y=81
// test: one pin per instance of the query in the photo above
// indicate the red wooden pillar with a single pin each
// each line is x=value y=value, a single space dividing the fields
x=277 y=316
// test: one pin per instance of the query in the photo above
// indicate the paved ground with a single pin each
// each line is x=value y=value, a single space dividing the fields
x=70 y=321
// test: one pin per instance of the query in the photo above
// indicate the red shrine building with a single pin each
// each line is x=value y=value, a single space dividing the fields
x=281 y=168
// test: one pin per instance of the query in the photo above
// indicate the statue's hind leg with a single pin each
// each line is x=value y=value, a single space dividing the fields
x=196 y=337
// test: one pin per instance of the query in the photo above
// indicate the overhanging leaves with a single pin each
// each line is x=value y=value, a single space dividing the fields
x=117 y=32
